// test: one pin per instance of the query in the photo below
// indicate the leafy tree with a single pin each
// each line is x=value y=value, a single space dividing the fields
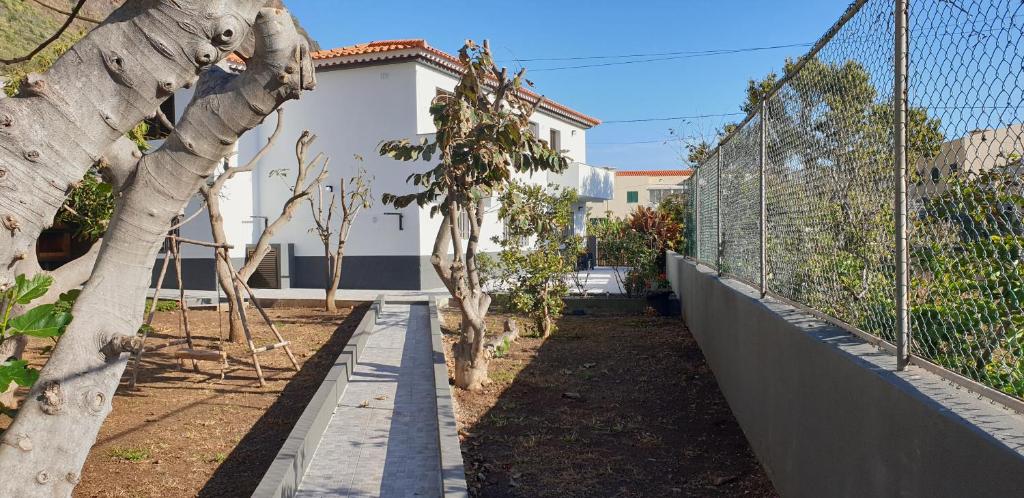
x=967 y=308
x=536 y=277
x=629 y=253
x=659 y=228
x=483 y=138
x=677 y=208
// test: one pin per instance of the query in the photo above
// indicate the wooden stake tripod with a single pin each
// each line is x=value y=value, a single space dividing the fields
x=172 y=250
x=190 y=352
x=239 y=284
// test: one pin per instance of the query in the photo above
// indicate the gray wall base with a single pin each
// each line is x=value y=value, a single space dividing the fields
x=365 y=272
x=828 y=415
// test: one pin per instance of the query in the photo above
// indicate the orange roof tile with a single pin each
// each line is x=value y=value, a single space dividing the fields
x=391 y=49
x=656 y=172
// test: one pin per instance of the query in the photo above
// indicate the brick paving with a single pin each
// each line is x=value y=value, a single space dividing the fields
x=383 y=437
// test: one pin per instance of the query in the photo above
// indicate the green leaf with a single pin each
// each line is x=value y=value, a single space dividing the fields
x=25 y=290
x=16 y=371
x=41 y=321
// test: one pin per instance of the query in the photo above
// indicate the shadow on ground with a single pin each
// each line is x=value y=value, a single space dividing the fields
x=243 y=468
x=608 y=406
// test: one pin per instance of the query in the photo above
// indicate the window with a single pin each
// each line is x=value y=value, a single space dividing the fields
x=463 y=224
x=535 y=129
x=632 y=197
x=556 y=140
x=954 y=168
x=658 y=194
x=936 y=175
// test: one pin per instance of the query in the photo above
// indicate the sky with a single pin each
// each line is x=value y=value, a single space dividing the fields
x=597 y=31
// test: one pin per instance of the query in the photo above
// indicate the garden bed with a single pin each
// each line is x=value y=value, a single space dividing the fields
x=184 y=433
x=608 y=406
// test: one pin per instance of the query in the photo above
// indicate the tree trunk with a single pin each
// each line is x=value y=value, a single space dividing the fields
x=43 y=451
x=224 y=278
x=470 y=361
x=335 y=274
x=330 y=299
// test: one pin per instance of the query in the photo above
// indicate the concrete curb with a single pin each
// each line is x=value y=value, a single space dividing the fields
x=453 y=471
x=286 y=472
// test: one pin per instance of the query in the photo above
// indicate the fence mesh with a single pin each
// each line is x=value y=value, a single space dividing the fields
x=830 y=184
x=708 y=229
x=690 y=234
x=966 y=233
x=741 y=203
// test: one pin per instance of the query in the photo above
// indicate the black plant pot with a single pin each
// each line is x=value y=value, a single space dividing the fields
x=662 y=302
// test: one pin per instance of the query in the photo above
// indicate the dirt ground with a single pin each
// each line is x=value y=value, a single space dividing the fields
x=608 y=406
x=186 y=433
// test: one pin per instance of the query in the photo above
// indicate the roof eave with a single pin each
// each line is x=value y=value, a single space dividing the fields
x=439 y=60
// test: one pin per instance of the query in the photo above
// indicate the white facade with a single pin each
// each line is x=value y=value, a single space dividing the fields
x=355 y=108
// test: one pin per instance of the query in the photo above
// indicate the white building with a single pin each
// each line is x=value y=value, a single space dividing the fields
x=366 y=94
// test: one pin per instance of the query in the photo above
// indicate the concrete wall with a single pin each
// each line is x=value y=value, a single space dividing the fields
x=826 y=413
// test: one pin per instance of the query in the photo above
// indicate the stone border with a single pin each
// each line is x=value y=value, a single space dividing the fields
x=285 y=474
x=453 y=471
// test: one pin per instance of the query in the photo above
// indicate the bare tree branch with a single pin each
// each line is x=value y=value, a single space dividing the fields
x=59 y=10
x=48 y=41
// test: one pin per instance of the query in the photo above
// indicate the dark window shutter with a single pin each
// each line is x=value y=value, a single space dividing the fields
x=268 y=273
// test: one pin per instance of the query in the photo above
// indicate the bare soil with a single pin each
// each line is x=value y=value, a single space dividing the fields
x=607 y=406
x=187 y=433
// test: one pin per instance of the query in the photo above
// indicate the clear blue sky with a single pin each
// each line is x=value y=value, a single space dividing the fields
x=529 y=29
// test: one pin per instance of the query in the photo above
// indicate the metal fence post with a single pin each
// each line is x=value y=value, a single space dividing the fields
x=900 y=104
x=764 y=203
x=718 y=214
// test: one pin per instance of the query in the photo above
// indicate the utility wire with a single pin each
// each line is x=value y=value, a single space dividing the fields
x=658 y=59
x=662 y=54
x=662 y=141
x=676 y=118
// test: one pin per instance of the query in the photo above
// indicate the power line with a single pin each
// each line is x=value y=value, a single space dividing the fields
x=662 y=141
x=661 y=54
x=678 y=57
x=676 y=118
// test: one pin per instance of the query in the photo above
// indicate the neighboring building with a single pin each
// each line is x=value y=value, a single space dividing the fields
x=366 y=94
x=976 y=152
x=639 y=188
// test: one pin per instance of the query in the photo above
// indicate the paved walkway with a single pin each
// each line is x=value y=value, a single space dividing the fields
x=382 y=440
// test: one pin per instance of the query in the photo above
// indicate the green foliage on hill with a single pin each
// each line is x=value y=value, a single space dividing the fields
x=23 y=26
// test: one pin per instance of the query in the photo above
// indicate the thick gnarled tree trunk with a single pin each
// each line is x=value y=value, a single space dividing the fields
x=108 y=82
x=462 y=278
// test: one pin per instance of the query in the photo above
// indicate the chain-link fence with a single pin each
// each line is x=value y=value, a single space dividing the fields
x=833 y=143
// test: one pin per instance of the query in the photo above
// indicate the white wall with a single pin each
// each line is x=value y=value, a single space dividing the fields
x=352 y=111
